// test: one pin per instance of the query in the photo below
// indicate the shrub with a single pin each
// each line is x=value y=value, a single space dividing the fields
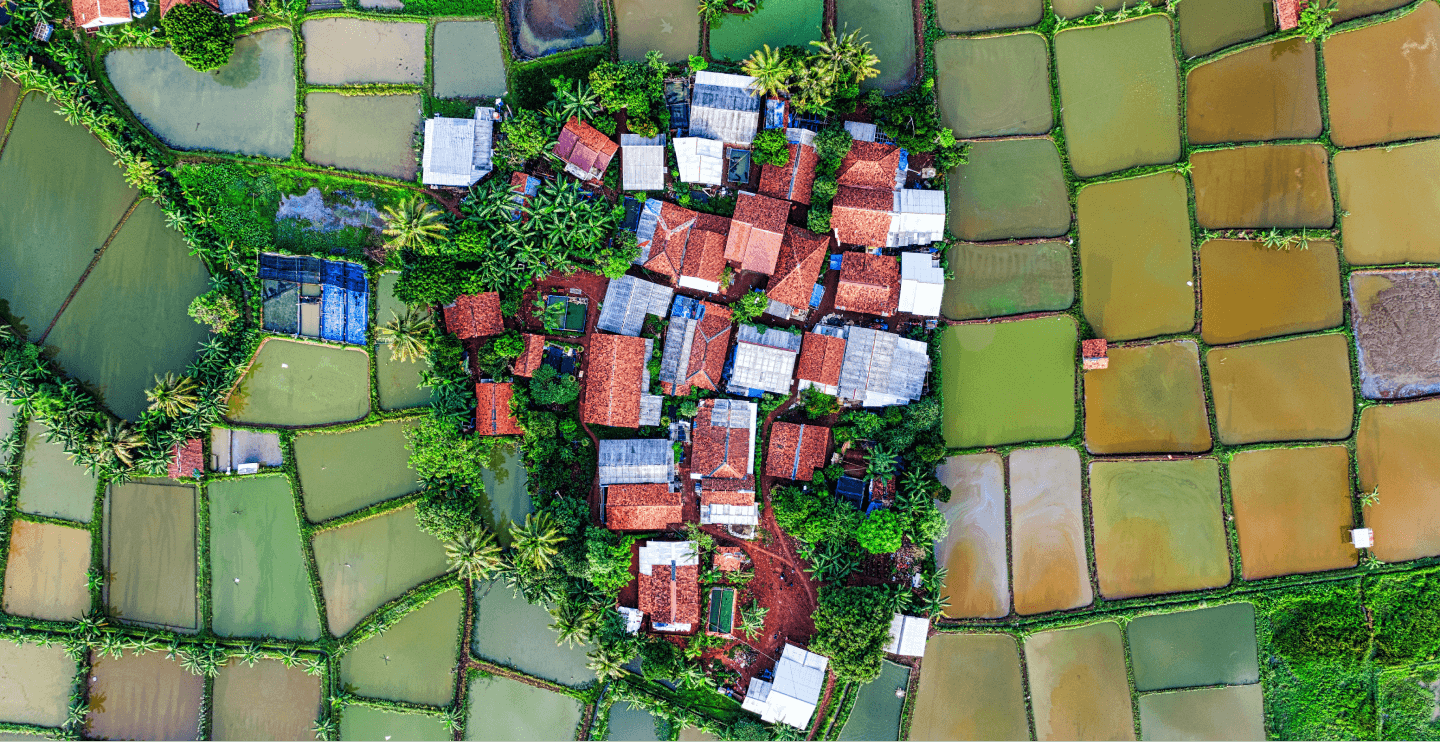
x=852 y=627
x=1315 y=18
x=818 y=221
x=770 y=148
x=750 y=306
x=1331 y=628
x=833 y=144
x=820 y=404
x=547 y=387
x=525 y=136
x=200 y=36
x=217 y=310
x=881 y=532
x=823 y=192
x=509 y=345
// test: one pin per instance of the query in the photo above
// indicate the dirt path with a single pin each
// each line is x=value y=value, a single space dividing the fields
x=93 y=262
x=824 y=704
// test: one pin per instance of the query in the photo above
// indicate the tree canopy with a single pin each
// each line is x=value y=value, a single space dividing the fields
x=200 y=36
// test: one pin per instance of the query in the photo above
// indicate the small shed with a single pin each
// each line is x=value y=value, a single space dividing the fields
x=585 y=150
x=724 y=107
x=922 y=284
x=1094 y=354
x=458 y=152
x=700 y=160
x=642 y=162
x=907 y=635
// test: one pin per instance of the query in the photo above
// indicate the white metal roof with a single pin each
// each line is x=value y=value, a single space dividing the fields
x=700 y=160
x=922 y=284
x=457 y=151
x=917 y=218
x=791 y=698
x=743 y=515
x=642 y=162
x=682 y=553
x=907 y=635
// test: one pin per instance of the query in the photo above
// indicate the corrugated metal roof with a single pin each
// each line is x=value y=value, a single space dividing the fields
x=882 y=368
x=636 y=461
x=700 y=160
x=628 y=300
x=642 y=162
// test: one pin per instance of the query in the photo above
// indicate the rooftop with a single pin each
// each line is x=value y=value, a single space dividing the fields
x=635 y=461
x=792 y=182
x=820 y=359
x=882 y=368
x=187 y=460
x=669 y=585
x=474 y=316
x=615 y=373
x=870 y=165
x=861 y=216
x=628 y=300
x=756 y=231
x=796 y=451
x=791 y=698
x=96 y=13
x=531 y=358
x=700 y=160
x=492 y=410
x=763 y=361
x=729 y=559
x=922 y=284
x=695 y=346
x=869 y=284
x=642 y=162
x=797 y=267
x=723 y=432
x=724 y=107
x=642 y=507
x=688 y=246
x=585 y=150
x=458 y=151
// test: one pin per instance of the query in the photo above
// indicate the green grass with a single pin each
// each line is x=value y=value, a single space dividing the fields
x=466 y=8
x=530 y=82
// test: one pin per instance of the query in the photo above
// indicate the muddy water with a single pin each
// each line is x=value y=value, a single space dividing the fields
x=1077 y=683
x=1382 y=80
x=1397 y=331
x=1264 y=92
x=1047 y=537
x=1284 y=391
x=1009 y=189
x=890 y=28
x=994 y=86
x=996 y=280
x=292 y=383
x=35 y=683
x=267 y=701
x=1386 y=223
x=468 y=62
x=973 y=549
x=779 y=23
x=1211 y=646
x=548 y=715
x=961 y=16
x=1158 y=526
x=955 y=702
x=1396 y=449
x=541 y=27
x=511 y=632
x=143 y=697
x=876 y=714
x=414 y=660
x=1210 y=25
x=150 y=553
x=365 y=564
x=1120 y=95
x=351 y=51
x=667 y=27
x=1149 y=400
x=1264 y=186
x=1249 y=291
x=1355 y=8
x=1136 y=267
x=343 y=472
x=258 y=579
x=1009 y=382
x=364 y=723
x=366 y=133
x=1235 y=712
x=51 y=483
x=1292 y=510
x=45 y=574
x=399 y=381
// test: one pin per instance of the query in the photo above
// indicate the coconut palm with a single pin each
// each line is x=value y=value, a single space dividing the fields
x=771 y=72
x=537 y=541
x=412 y=224
x=607 y=662
x=475 y=556
x=848 y=56
x=814 y=88
x=115 y=442
x=574 y=623
x=405 y=333
x=173 y=395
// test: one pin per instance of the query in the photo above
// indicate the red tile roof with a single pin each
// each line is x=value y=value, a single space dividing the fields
x=89 y=11
x=870 y=165
x=474 y=316
x=1096 y=348
x=729 y=559
x=861 y=216
x=492 y=410
x=188 y=461
x=585 y=147
x=869 y=284
x=642 y=507
x=1287 y=14
x=613 y=370
x=802 y=256
x=671 y=602
x=792 y=182
x=708 y=348
x=820 y=359
x=688 y=243
x=709 y=496
x=796 y=451
x=756 y=231
x=718 y=451
x=531 y=358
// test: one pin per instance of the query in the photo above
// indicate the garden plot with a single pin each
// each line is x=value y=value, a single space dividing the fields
x=1009 y=382
x=778 y=23
x=889 y=26
x=1211 y=646
x=996 y=280
x=1009 y=189
x=512 y=632
x=259 y=581
x=143 y=696
x=1264 y=92
x=541 y=27
x=35 y=683
x=1396 y=448
x=1263 y=186
x=1211 y=25
x=1136 y=265
x=1288 y=390
x=351 y=51
x=1390 y=203
x=996 y=86
x=548 y=715
x=51 y=483
x=344 y=472
x=1149 y=400
x=366 y=564
x=1047 y=531
x=964 y=16
x=1382 y=80
x=231 y=448
x=1249 y=291
x=364 y=723
x=631 y=722
x=1158 y=526
x=399 y=381
x=1119 y=95
x=150 y=553
x=1078 y=687
x=414 y=660
x=1234 y=712
x=1292 y=510
x=662 y=25
x=876 y=713
x=366 y=133
x=45 y=575
x=973 y=549
x=1397 y=332
x=956 y=703
x=295 y=384
x=247 y=106
x=265 y=701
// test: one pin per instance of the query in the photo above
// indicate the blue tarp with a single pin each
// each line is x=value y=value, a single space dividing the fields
x=775 y=117
x=817 y=294
x=344 y=292
x=835 y=261
x=332 y=313
x=357 y=311
x=902 y=168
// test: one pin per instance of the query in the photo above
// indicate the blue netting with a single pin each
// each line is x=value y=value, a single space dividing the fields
x=332 y=313
x=357 y=311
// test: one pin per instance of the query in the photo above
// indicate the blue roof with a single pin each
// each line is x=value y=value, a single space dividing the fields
x=817 y=294
x=775 y=117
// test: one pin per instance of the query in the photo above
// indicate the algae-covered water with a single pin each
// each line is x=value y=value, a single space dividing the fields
x=1009 y=382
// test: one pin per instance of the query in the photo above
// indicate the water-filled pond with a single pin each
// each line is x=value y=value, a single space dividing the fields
x=964 y=16
x=1009 y=189
x=365 y=564
x=1383 y=223
x=1249 y=291
x=876 y=713
x=1047 y=541
x=1292 y=510
x=364 y=723
x=1283 y=391
x=1263 y=186
x=265 y=701
x=352 y=51
x=295 y=383
x=671 y=28
x=51 y=483
x=1149 y=400
x=631 y=723
x=1009 y=381
x=258 y=579
x=506 y=499
x=344 y=472
x=467 y=60
x=548 y=715
x=779 y=23
x=365 y=133
x=399 y=381
x=1211 y=25
x=511 y=632
x=996 y=280
x=889 y=26
x=150 y=553
x=45 y=572
x=143 y=697
x=1210 y=646
x=1381 y=80
x=1233 y=712
x=973 y=549
x=35 y=683
x=955 y=702
x=994 y=86
x=1078 y=686
x=414 y=660
x=1396 y=450
x=1264 y=92
x=541 y=27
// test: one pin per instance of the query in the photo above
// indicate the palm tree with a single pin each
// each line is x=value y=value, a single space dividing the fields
x=814 y=88
x=881 y=464
x=607 y=662
x=690 y=676
x=173 y=395
x=580 y=103
x=574 y=623
x=770 y=70
x=536 y=541
x=752 y=619
x=115 y=442
x=412 y=224
x=848 y=56
x=406 y=334
x=475 y=556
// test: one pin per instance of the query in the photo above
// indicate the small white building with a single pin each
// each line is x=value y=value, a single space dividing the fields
x=642 y=162
x=907 y=635
x=918 y=218
x=700 y=160
x=458 y=151
x=922 y=284
x=791 y=698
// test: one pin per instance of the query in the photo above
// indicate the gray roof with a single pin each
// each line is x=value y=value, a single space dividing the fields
x=723 y=107
x=882 y=368
x=628 y=300
x=458 y=151
x=642 y=162
x=917 y=218
x=636 y=461
x=763 y=361
x=234 y=7
x=860 y=131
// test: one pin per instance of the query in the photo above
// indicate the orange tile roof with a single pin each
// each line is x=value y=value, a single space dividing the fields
x=869 y=284
x=796 y=451
x=793 y=182
x=613 y=369
x=708 y=349
x=671 y=602
x=88 y=11
x=492 y=410
x=1287 y=14
x=531 y=358
x=709 y=496
x=797 y=269
x=688 y=243
x=756 y=231
x=718 y=451
x=642 y=507
x=820 y=359
x=475 y=316
x=870 y=165
x=729 y=559
x=585 y=147
x=187 y=461
x=860 y=216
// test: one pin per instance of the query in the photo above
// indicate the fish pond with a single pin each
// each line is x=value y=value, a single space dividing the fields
x=1396 y=315
x=1262 y=93
x=965 y=16
x=35 y=683
x=51 y=483
x=259 y=583
x=1047 y=531
x=876 y=713
x=1211 y=646
x=366 y=133
x=1292 y=510
x=1383 y=223
x=1009 y=382
x=399 y=381
x=1396 y=448
x=468 y=61
x=973 y=549
x=292 y=383
x=143 y=696
x=506 y=499
x=1269 y=185
x=45 y=574
x=1210 y=25
x=352 y=51
x=632 y=723
x=150 y=538
x=265 y=701
x=511 y=632
x=364 y=723
x=956 y=703
x=672 y=29
x=1249 y=291
x=996 y=280
x=1078 y=685
x=994 y=86
x=363 y=565
x=344 y=472
x=548 y=715
x=889 y=26
x=1149 y=400
x=541 y=27
x=414 y=660
x=777 y=23
x=1381 y=80
x=1009 y=189
x=1233 y=712
x=1287 y=390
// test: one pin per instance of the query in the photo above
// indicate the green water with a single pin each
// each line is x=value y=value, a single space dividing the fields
x=996 y=280
x=961 y=16
x=1234 y=712
x=506 y=498
x=547 y=715
x=365 y=724
x=293 y=383
x=413 y=660
x=1211 y=646
x=1009 y=189
x=514 y=633
x=889 y=26
x=365 y=564
x=779 y=23
x=51 y=483
x=467 y=61
x=365 y=133
x=994 y=86
x=343 y=472
x=631 y=723
x=876 y=714
x=399 y=381
x=259 y=585
x=150 y=533
x=1208 y=25
x=1009 y=382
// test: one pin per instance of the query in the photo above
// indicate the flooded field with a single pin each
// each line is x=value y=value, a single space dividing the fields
x=399 y=381
x=506 y=499
x=511 y=632
x=1211 y=646
x=964 y=16
x=1211 y=25
x=293 y=383
x=9 y=96
x=631 y=723
x=247 y=106
x=1119 y=78
x=1381 y=80
x=1235 y=712
x=1395 y=447
x=656 y=24
x=1158 y=526
x=267 y=701
x=996 y=280
x=1077 y=683
x=143 y=697
x=1263 y=186
x=468 y=62
x=1136 y=267
x=541 y=27
x=1397 y=332
x=1149 y=400
x=890 y=28
x=414 y=660
x=51 y=483
x=150 y=553
x=957 y=703
x=1009 y=189
x=1047 y=540
x=973 y=550
x=1283 y=391
x=351 y=51
x=35 y=683
x=779 y=23
x=1009 y=382
x=1383 y=223
x=1292 y=510
x=45 y=572
x=364 y=724
x=1264 y=92
x=1250 y=292
x=343 y=472
x=258 y=579
x=876 y=714
x=365 y=564
x=994 y=86
x=547 y=715
x=366 y=133
x=1348 y=9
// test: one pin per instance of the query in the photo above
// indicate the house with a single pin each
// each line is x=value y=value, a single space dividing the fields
x=1287 y=14
x=730 y=559
x=728 y=502
x=669 y=583
x=695 y=346
x=756 y=230
x=1094 y=354
x=458 y=151
x=585 y=151
x=821 y=354
x=908 y=635
x=641 y=507
x=617 y=383
x=792 y=182
x=187 y=460
x=916 y=218
x=700 y=160
x=882 y=369
x=687 y=246
x=642 y=162
x=791 y=697
x=723 y=440
x=796 y=451
x=636 y=461
x=869 y=284
x=531 y=358
x=872 y=166
x=861 y=131
x=492 y=410
x=474 y=316
x=763 y=362
x=798 y=266
x=526 y=187
x=724 y=107
x=628 y=300
x=97 y=13
x=872 y=208
x=922 y=284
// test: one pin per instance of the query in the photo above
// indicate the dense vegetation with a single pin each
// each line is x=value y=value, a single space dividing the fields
x=199 y=35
